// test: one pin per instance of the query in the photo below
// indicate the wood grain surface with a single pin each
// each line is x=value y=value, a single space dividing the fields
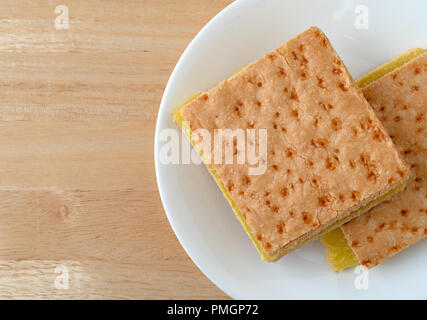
x=78 y=195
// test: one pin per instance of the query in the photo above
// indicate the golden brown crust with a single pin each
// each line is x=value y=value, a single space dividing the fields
x=327 y=151
x=400 y=101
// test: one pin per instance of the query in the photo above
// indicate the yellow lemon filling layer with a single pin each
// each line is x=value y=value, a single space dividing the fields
x=340 y=255
x=389 y=67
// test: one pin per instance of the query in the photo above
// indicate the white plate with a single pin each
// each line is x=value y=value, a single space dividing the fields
x=198 y=213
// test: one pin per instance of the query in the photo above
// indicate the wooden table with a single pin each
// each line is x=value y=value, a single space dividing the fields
x=80 y=214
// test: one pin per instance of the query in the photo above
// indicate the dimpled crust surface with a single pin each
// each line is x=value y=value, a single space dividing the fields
x=400 y=101
x=327 y=151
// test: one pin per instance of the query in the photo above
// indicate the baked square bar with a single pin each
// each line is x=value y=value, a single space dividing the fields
x=399 y=97
x=328 y=156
